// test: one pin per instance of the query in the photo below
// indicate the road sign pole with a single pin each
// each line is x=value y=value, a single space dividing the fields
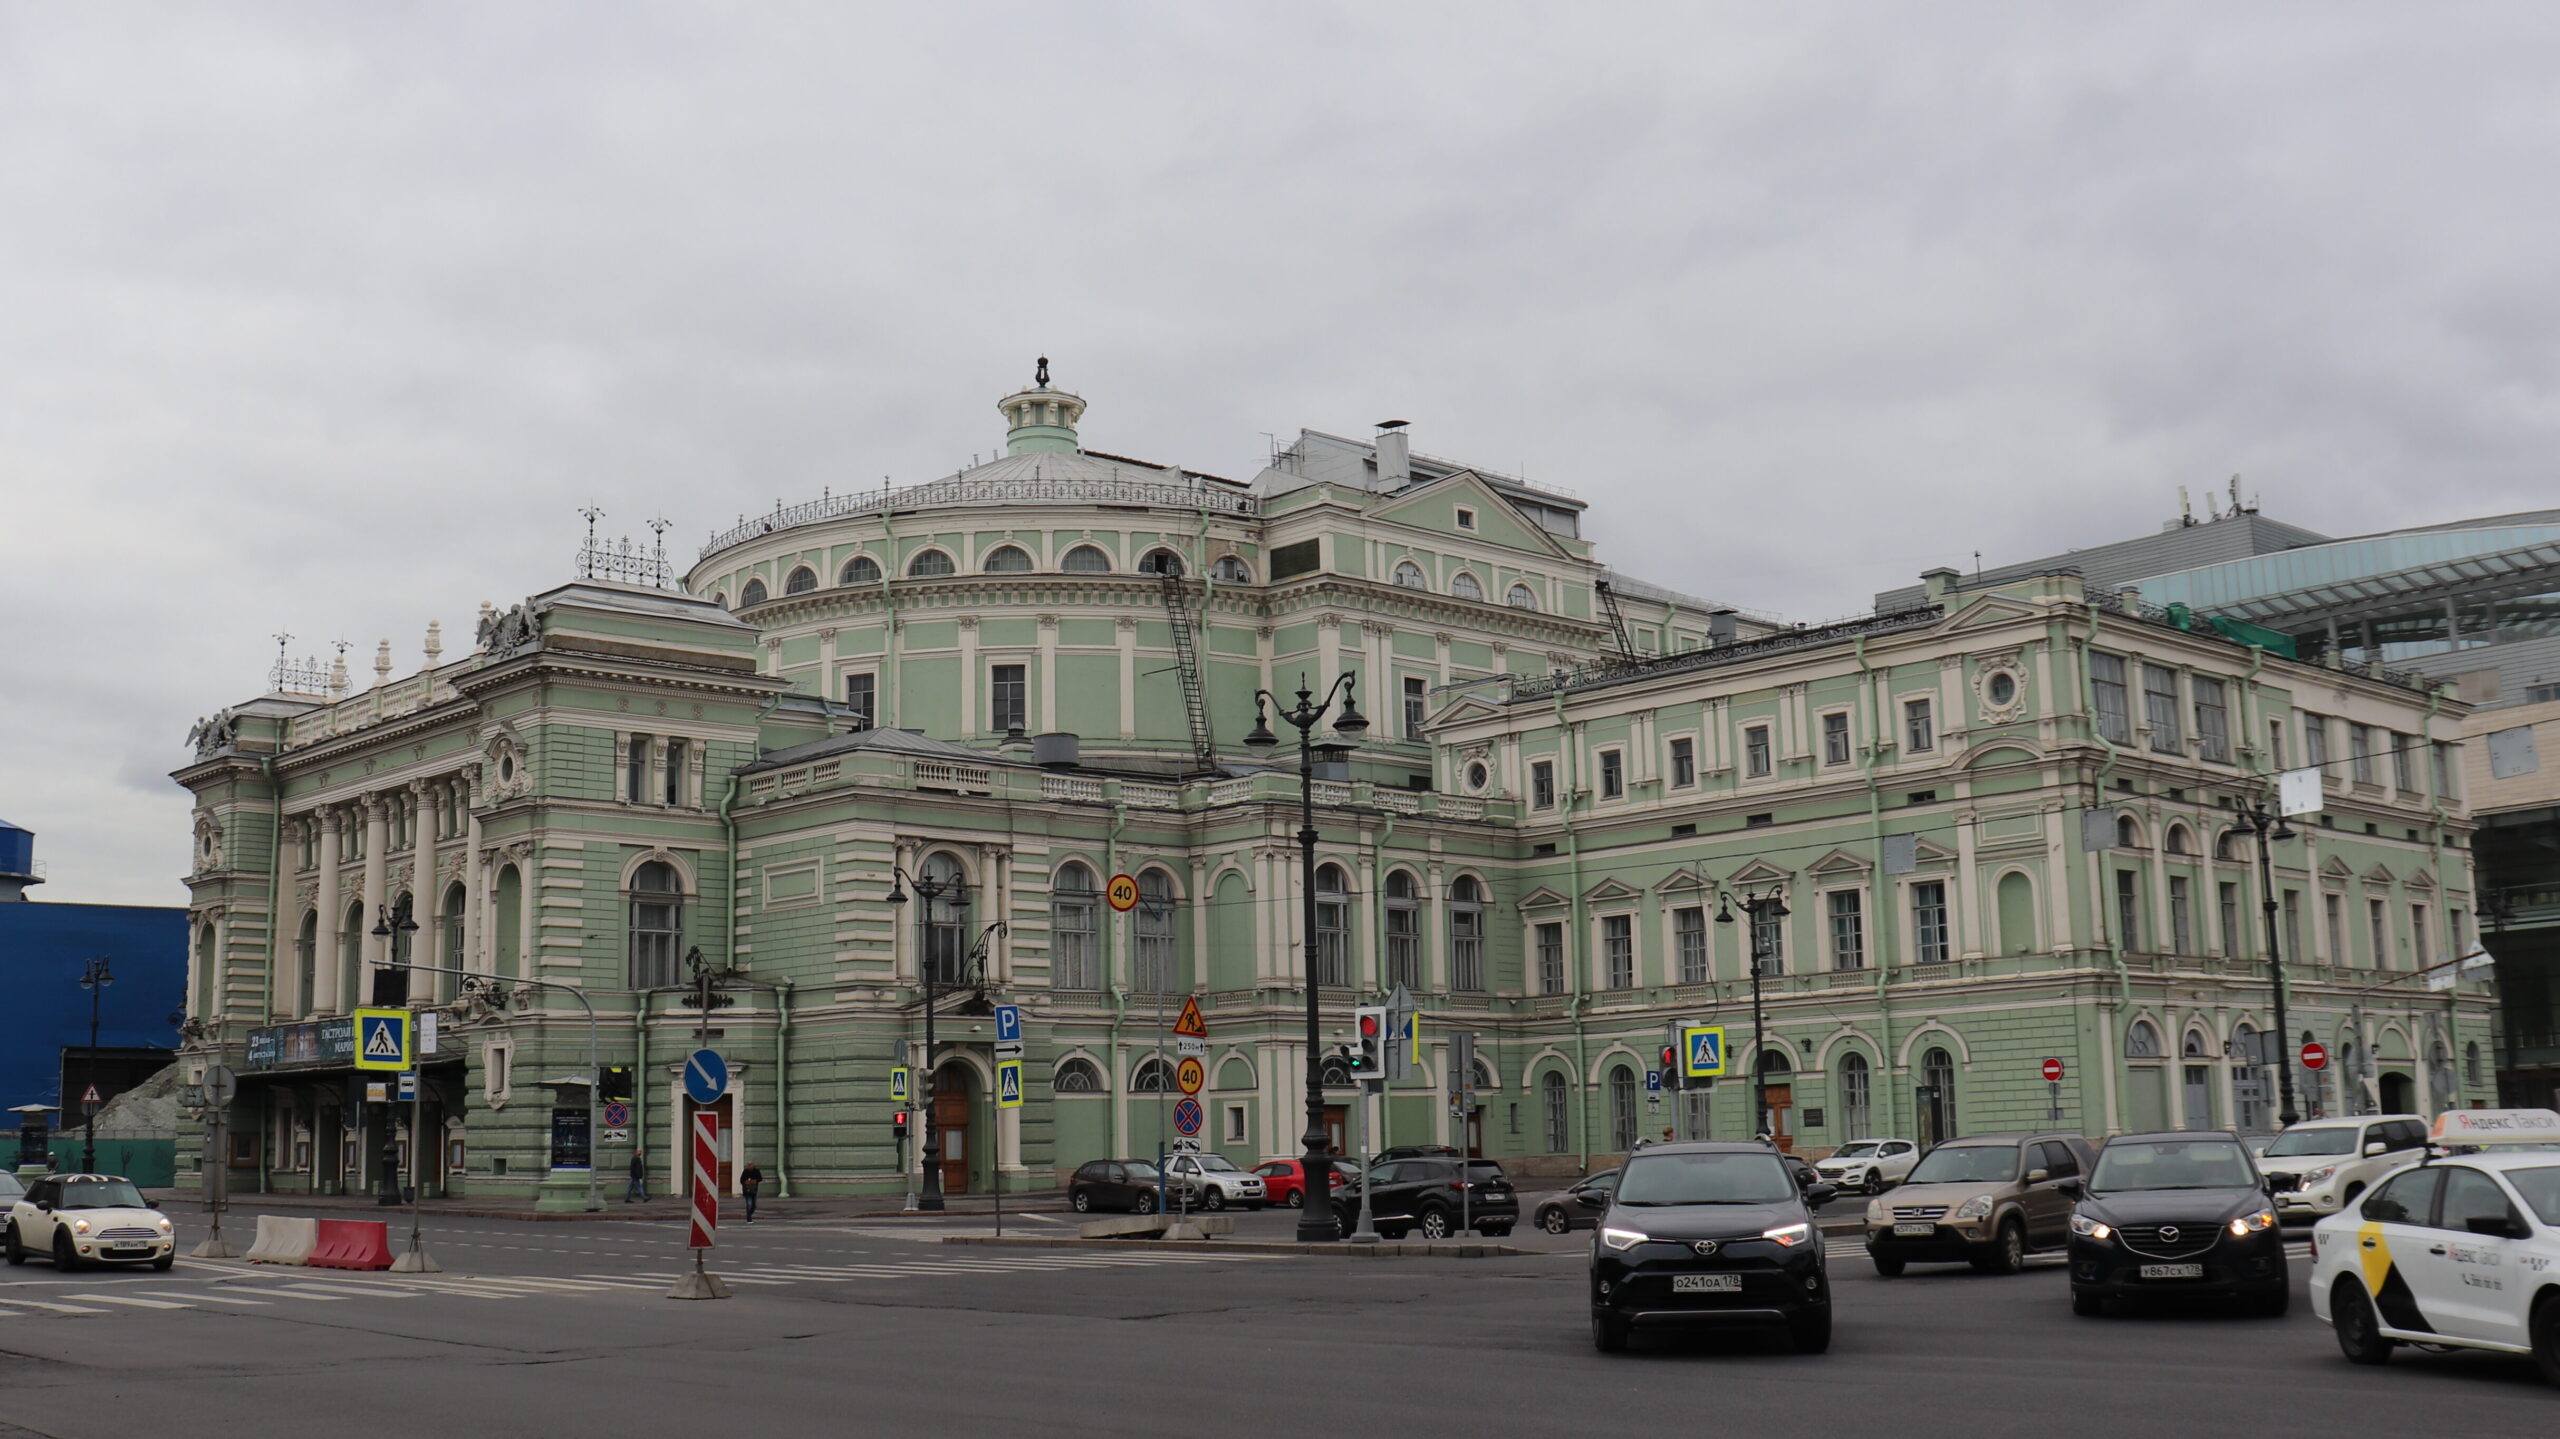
x=418 y=1260
x=1366 y=1233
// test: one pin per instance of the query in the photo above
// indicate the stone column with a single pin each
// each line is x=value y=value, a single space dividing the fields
x=973 y=713
x=1048 y=701
x=325 y=960
x=377 y=873
x=427 y=894
x=474 y=900
x=1127 y=630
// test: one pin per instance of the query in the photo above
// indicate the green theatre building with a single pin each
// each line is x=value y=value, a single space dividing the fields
x=1997 y=822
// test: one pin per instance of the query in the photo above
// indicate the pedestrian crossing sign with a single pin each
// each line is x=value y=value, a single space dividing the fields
x=382 y=1039
x=1702 y=1051
x=1008 y=1084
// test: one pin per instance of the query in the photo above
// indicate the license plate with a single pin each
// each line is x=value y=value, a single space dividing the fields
x=1706 y=1283
x=1917 y=1231
x=2173 y=1271
x=130 y=1249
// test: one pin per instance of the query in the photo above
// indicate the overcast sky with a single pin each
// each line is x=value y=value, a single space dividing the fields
x=327 y=318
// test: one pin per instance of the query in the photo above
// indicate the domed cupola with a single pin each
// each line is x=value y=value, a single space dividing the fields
x=1041 y=420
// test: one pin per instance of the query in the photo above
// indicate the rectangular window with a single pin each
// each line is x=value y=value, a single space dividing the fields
x=1542 y=784
x=1835 y=739
x=1929 y=939
x=1613 y=774
x=1689 y=927
x=2160 y=708
x=2360 y=751
x=635 y=771
x=2315 y=739
x=1618 y=947
x=2182 y=936
x=1466 y=947
x=2107 y=689
x=2293 y=926
x=1684 y=763
x=1919 y=727
x=2444 y=770
x=1415 y=701
x=1301 y=558
x=862 y=696
x=1755 y=750
x=1075 y=940
x=2333 y=915
x=2213 y=722
x=2377 y=924
x=2275 y=743
x=2226 y=899
x=1848 y=917
x=2404 y=763
x=675 y=771
x=2128 y=911
x=2421 y=953
x=1466 y=518
x=1769 y=942
x=1333 y=934
x=1007 y=710
x=1404 y=944
x=1551 y=959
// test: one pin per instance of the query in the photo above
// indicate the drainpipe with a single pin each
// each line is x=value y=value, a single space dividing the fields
x=2099 y=918
x=1582 y=954
x=1882 y=929
x=781 y=1094
x=1119 y=992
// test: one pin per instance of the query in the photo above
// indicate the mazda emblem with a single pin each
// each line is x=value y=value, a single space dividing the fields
x=1705 y=1247
x=2169 y=1233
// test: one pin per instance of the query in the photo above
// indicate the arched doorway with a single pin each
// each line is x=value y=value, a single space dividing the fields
x=1937 y=1097
x=2399 y=1093
x=1778 y=1090
x=955 y=1096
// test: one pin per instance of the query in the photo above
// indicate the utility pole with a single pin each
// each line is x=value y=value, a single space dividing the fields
x=1761 y=908
x=2266 y=828
x=95 y=976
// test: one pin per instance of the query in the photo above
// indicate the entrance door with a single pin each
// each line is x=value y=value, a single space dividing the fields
x=1782 y=1103
x=2199 y=1087
x=951 y=1127
x=1337 y=1129
x=724 y=1149
x=1475 y=1135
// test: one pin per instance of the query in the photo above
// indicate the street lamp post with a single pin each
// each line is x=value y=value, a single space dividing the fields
x=932 y=890
x=394 y=924
x=1317 y=1223
x=1772 y=905
x=2267 y=828
x=95 y=976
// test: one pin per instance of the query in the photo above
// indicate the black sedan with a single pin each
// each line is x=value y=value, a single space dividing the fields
x=1568 y=1211
x=2176 y=1214
x=1129 y=1184
x=1709 y=1234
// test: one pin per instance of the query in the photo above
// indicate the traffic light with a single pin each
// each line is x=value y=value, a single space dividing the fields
x=1369 y=1041
x=1671 y=1066
x=898 y=1124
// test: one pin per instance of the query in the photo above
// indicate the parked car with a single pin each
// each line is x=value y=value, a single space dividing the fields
x=82 y=1219
x=2321 y=1166
x=1571 y=1209
x=1708 y=1233
x=1417 y=1151
x=1213 y=1181
x=1426 y=1195
x=1114 y=1184
x=1869 y=1166
x=1281 y=1183
x=2182 y=1213
x=1987 y=1199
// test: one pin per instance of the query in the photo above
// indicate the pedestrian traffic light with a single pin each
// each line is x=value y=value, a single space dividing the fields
x=1369 y=1041
x=898 y=1124
x=1671 y=1066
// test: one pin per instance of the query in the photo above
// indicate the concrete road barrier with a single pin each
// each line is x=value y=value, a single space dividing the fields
x=352 y=1244
x=1141 y=1226
x=283 y=1240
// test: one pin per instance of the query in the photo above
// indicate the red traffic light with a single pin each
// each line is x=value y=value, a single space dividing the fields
x=1368 y=1026
x=1670 y=1056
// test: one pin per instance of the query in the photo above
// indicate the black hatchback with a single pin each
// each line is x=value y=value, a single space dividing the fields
x=2183 y=1213
x=1708 y=1234
x=1439 y=1197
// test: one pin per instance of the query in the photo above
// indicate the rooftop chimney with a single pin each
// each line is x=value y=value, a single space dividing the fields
x=1395 y=455
x=1934 y=584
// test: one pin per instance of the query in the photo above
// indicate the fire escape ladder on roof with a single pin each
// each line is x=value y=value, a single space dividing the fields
x=1195 y=704
x=1617 y=621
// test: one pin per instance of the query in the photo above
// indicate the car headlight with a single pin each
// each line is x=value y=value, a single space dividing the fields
x=2087 y=1228
x=2248 y=1224
x=1622 y=1238
x=79 y=1226
x=164 y=1226
x=2317 y=1176
x=1877 y=1213
x=1974 y=1208
x=1788 y=1236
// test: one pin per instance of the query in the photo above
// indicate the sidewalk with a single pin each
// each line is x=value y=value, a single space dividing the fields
x=666 y=1207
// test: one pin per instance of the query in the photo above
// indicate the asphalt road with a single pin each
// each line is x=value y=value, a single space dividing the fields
x=870 y=1327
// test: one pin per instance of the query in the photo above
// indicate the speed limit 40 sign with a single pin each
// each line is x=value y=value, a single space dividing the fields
x=1122 y=892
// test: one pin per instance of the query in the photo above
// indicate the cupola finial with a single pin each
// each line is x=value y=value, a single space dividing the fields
x=1041 y=419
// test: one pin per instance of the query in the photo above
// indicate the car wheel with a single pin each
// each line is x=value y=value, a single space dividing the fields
x=2544 y=1331
x=1887 y=1265
x=1435 y=1225
x=1081 y=1201
x=1554 y=1221
x=1811 y=1331
x=1875 y=1181
x=2008 y=1252
x=17 y=1253
x=63 y=1257
x=2358 y=1328
x=165 y=1263
x=1146 y=1202
x=1214 y=1200
x=1608 y=1334
x=2088 y=1305
x=1297 y=1199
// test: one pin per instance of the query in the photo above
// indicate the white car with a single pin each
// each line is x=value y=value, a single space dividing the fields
x=2462 y=1251
x=2320 y=1166
x=80 y=1219
x=1869 y=1166
x=1215 y=1181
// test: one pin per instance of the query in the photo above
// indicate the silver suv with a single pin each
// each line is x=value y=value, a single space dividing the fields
x=2320 y=1166
x=1213 y=1181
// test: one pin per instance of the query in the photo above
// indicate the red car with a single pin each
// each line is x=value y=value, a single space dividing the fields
x=1283 y=1183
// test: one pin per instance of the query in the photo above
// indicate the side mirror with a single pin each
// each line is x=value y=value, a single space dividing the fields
x=2038 y=1176
x=1820 y=1193
x=44 y=1206
x=2497 y=1226
x=2072 y=1187
x=1591 y=1199
x=2376 y=1147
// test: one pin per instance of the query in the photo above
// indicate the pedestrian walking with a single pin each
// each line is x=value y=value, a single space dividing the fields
x=748 y=1183
x=639 y=1189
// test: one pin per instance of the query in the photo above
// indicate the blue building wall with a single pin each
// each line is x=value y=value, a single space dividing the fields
x=42 y=1006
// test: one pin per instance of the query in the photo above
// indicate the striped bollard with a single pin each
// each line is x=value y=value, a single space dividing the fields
x=700 y=1283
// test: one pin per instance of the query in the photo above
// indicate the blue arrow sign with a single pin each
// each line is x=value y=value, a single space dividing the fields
x=1008 y=1022
x=706 y=1076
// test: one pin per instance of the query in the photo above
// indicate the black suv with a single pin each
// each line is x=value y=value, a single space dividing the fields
x=1708 y=1233
x=2176 y=1214
x=1437 y=1196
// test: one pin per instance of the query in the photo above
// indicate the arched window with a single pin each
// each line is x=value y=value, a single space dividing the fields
x=1483 y=1072
x=1409 y=576
x=2017 y=896
x=800 y=581
x=1231 y=570
x=1552 y=1109
x=2176 y=843
x=1077 y=1076
x=449 y=949
x=1466 y=934
x=1152 y=1076
x=351 y=953
x=1333 y=927
x=1404 y=931
x=1521 y=597
x=1465 y=587
x=1938 y=1096
x=946 y=919
x=2141 y=1041
x=753 y=594
x=1086 y=560
x=2222 y=845
x=657 y=924
x=930 y=563
x=1160 y=562
x=306 y=958
x=1075 y=931
x=2128 y=834
x=1622 y=1108
x=1857 y=1095
x=2193 y=1046
x=860 y=570
x=1008 y=560
x=1156 y=957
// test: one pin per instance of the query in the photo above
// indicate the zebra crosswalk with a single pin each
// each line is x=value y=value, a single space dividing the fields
x=236 y=1289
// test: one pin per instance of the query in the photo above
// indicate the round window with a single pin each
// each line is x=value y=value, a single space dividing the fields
x=1477 y=774
x=507 y=767
x=2003 y=689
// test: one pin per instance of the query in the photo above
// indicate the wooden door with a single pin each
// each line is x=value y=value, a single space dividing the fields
x=1337 y=1129
x=1473 y=1144
x=1782 y=1103
x=951 y=1133
x=724 y=1148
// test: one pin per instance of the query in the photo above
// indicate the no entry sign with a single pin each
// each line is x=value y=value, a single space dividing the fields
x=2315 y=1055
x=2053 y=1071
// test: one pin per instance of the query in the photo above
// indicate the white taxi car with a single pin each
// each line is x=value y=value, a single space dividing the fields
x=2460 y=1251
x=87 y=1219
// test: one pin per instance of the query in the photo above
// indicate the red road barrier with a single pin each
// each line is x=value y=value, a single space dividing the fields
x=352 y=1244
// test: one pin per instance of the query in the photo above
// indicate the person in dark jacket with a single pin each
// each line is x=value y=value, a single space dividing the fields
x=748 y=1183
x=639 y=1177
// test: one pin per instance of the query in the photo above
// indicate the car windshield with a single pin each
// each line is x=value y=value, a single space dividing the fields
x=2180 y=1164
x=2540 y=1187
x=2340 y=1140
x=1706 y=1179
x=1967 y=1164
x=102 y=1194
x=1141 y=1171
x=1218 y=1162
x=1860 y=1150
x=10 y=1188
x=1483 y=1171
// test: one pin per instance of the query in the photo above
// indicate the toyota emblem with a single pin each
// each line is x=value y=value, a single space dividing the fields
x=2169 y=1234
x=1705 y=1248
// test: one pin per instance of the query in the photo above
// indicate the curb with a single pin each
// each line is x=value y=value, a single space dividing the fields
x=1229 y=1246
x=611 y=1211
